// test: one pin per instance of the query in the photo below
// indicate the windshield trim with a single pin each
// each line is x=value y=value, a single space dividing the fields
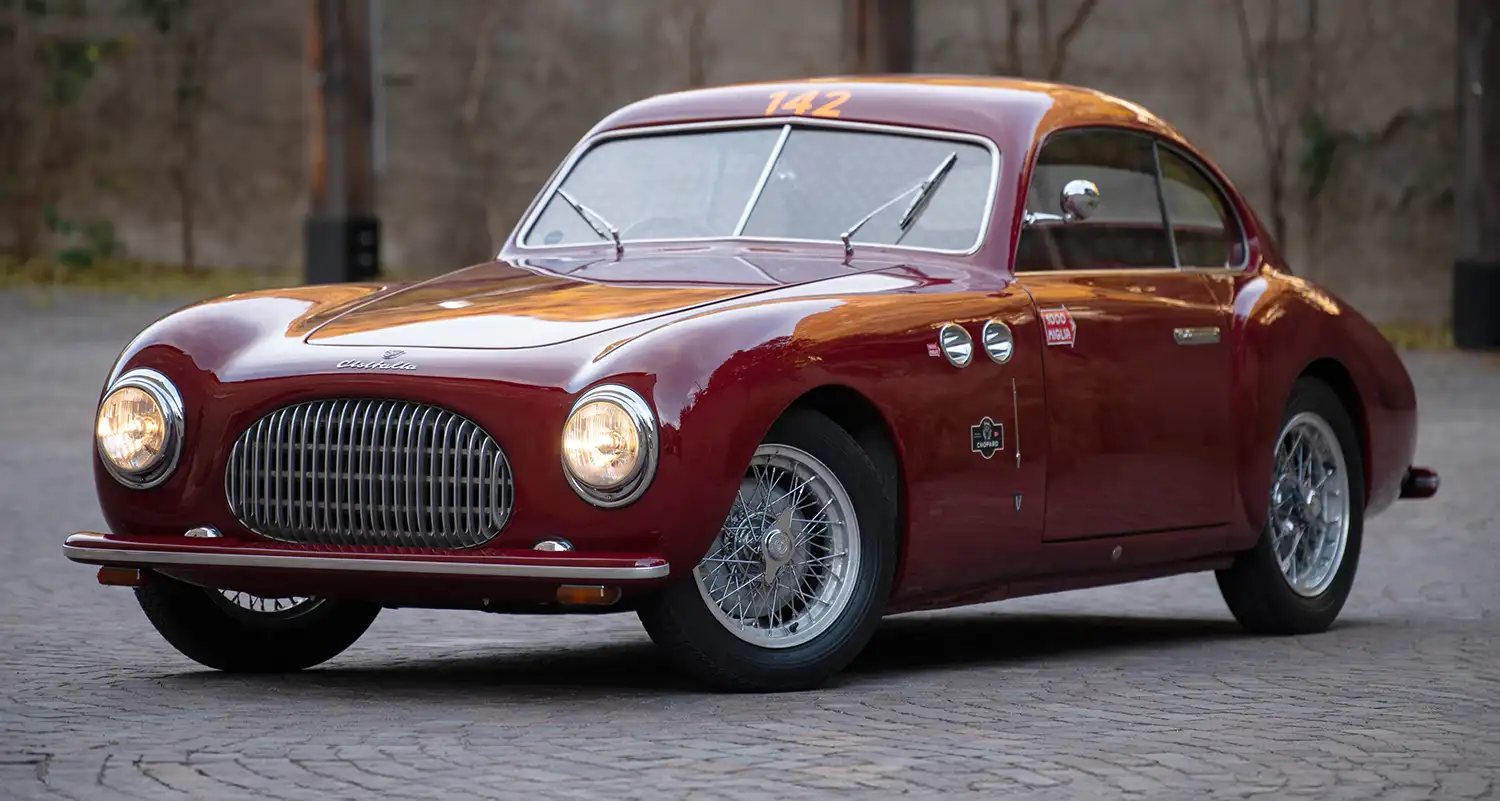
x=523 y=230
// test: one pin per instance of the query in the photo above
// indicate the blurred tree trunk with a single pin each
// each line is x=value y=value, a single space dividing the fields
x=687 y=32
x=483 y=18
x=343 y=231
x=879 y=36
x=1479 y=104
x=188 y=30
x=1050 y=54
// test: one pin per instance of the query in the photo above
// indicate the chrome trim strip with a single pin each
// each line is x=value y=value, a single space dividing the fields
x=1015 y=405
x=760 y=184
x=119 y=556
x=523 y=229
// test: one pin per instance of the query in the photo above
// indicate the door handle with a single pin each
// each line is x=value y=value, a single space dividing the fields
x=1206 y=335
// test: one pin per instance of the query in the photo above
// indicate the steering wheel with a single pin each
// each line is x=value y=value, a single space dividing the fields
x=665 y=228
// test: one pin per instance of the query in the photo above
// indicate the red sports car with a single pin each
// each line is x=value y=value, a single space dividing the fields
x=763 y=364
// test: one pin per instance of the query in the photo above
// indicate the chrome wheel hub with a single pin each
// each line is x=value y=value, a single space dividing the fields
x=1309 y=515
x=783 y=567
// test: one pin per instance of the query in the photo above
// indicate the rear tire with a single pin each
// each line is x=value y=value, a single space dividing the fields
x=212 y=630
x=799 y=617
x=1296 y=579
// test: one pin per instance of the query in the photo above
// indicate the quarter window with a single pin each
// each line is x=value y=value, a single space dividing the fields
x=1207 y=233
x=1127 y=229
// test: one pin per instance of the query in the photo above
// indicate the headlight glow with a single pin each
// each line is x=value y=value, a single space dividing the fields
x=138 y=431
x=132 y=429
x=602 y=445
x=609 y=446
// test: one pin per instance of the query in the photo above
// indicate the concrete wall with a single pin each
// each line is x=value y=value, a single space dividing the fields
x=1379 y=231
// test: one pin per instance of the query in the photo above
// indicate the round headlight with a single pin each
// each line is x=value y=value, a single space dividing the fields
x=609 y=446
x=139 y=429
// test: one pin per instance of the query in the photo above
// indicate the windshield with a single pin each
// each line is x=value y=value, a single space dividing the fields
x=781 y=182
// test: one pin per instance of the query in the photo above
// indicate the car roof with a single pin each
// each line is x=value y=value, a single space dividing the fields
x=1011 y=112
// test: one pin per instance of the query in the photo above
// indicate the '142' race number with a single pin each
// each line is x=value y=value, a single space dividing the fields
x=817 y=104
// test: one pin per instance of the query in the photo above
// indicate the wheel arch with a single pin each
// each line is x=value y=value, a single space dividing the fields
x=1333 y=373
x=863 y=420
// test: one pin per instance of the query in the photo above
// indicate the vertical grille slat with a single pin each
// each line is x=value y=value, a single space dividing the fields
x=364 y=472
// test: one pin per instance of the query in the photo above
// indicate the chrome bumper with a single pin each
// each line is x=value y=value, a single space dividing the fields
x=1419 y=482
x=102 y=549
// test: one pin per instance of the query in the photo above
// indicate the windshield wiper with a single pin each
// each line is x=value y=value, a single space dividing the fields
x=595 y=220
x=918 y=205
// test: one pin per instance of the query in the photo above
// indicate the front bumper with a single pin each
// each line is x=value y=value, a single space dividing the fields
x=177 y=553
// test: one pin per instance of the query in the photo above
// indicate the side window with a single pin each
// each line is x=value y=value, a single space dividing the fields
x=1125 y=231
x=1207 y=232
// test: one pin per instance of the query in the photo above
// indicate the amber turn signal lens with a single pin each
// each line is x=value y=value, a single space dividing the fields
x=587 y=594
x=121 y=577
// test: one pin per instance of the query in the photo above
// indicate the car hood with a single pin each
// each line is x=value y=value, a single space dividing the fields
x=531 y=303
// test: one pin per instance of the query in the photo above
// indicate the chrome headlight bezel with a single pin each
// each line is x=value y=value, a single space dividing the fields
x=169 y=401
x=644 y=418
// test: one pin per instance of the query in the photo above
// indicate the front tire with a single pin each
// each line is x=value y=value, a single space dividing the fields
x=240 y=633
x=1299 y=574
x=797 y=580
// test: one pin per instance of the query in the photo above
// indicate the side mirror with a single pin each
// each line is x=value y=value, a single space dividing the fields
x=1080 y=199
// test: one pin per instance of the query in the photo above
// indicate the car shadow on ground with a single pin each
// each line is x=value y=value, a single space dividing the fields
x=922 y=642
x=910 y=644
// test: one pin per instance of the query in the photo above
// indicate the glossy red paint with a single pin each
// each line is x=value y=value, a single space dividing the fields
x=1125 y=456
x=1139 y=426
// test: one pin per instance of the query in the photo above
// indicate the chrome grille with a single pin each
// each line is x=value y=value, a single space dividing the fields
x=369 y=472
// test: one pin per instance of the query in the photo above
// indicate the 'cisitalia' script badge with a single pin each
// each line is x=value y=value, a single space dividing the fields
x=987 y=438
x=390 y=360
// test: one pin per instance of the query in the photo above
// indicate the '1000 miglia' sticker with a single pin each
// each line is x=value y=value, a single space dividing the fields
x=1059 y=327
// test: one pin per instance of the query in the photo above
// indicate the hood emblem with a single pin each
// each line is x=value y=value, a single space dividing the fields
x=390 y=360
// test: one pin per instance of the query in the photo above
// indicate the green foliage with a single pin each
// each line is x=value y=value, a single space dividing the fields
x=1320 y=143
x=70 y=64
x=84 y=243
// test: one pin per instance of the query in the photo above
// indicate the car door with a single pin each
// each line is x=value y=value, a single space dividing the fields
x=1135 y=364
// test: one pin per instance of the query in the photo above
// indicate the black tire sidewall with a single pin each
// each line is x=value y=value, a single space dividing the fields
x=679 y=618
x=1316 y=613
x=198 y=626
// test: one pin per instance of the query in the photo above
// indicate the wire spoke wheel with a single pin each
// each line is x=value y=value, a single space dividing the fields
x=256 y=608
x=1309 y=515
x=784 y=565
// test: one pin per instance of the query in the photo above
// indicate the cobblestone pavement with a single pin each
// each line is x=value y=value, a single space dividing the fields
x=1139 y=691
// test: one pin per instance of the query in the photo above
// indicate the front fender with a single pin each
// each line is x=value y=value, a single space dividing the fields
x=718 y=381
